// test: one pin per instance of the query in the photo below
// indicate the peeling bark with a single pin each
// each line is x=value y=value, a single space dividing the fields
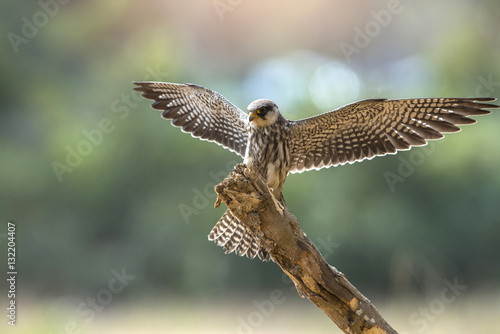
x=246 y=194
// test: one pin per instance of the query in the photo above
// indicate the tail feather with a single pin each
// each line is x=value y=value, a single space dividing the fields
x=263 y=255
x=227 y=235
x=233 y=235
x=245 y=244
x=233 y=242
x=220 y=227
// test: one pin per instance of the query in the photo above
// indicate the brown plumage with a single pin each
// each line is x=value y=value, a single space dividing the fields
x=277 y=146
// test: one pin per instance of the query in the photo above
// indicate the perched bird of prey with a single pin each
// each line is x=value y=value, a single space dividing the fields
x=277 y=146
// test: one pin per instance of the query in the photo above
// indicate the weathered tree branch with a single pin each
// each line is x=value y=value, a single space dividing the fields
x=245 y=193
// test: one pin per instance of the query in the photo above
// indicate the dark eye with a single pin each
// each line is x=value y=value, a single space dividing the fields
x=261 y=111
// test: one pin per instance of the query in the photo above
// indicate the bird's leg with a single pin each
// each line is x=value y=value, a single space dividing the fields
x=279 y=207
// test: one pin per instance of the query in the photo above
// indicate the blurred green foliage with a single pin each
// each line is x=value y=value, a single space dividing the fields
x=121 y=203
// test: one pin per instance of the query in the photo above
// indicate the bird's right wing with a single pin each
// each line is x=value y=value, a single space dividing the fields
x=200 y=111
x=370 y=128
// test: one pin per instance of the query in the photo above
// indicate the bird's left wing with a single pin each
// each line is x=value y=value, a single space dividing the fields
x=200 y=111
x=370 y=128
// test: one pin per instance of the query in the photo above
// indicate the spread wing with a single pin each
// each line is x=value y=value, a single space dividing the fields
x=370 y=128
x=200 y=111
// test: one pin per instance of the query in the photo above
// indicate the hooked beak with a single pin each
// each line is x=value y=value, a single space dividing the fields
x=252 y=116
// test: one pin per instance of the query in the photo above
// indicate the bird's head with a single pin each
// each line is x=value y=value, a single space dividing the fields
x=263 y=113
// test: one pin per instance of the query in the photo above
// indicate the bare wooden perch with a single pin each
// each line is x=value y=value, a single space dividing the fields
x=245 y=193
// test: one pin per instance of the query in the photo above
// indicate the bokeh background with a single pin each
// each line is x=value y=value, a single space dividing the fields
x=101 y=187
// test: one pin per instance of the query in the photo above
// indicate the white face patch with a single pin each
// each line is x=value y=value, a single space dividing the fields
x=267 y=109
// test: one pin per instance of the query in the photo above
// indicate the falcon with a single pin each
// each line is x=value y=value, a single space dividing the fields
x=277 y=146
